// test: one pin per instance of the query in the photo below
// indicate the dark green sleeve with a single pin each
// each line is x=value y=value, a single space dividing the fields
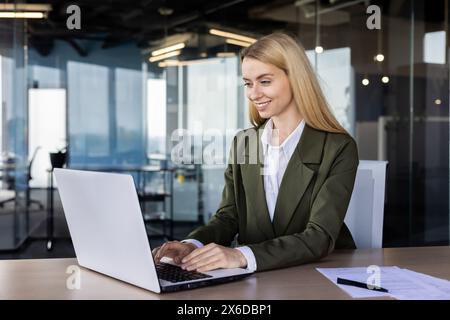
x=326 y=217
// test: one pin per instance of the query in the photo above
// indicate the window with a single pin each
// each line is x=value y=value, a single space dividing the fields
x=47 y=130
x=334 y=71
x=156 y=116
x=434 y=47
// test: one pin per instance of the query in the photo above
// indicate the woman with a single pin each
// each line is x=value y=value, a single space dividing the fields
x=289 y=208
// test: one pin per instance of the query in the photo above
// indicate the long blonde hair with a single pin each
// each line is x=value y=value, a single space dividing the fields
x=282 y=51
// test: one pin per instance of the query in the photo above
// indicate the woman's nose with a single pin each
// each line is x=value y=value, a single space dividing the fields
x=254 y=93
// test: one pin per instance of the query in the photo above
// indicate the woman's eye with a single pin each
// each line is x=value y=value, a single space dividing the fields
x=246 y=84
x=265 y=82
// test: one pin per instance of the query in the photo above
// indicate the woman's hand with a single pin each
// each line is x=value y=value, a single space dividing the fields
x=213 y=256
x=173 y=249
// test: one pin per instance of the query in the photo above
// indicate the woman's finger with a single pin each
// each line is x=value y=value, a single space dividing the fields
x=212 y=266
x=200 y=257
x=164 y=250
x=160 y=250
x=155 y=251
x=199 y=251
x=181 y=254
x=204 y=262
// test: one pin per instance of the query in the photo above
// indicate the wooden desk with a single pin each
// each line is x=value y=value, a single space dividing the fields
x=46 y=279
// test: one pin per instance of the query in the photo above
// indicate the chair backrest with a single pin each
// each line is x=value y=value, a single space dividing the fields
x=364 y=216
x=30 y=162
x=7 y=174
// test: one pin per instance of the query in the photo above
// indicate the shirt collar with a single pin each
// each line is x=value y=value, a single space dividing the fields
x=289 y=145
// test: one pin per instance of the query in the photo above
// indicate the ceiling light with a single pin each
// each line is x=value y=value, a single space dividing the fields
x=24 y=10
x=225 y=54
x=365 y=82
x=238 y=43
x=319 y=49
x=385 y=79
x=379 y=57
x=173 y=47
x=165 y=11
x=164 y=56
x=230 y=35
x=177 y=63
x=25 y=7
x=438 y=101
x=22 y=15
x=168 y=63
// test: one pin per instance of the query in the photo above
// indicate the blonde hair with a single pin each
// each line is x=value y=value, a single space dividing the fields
x=282 y=51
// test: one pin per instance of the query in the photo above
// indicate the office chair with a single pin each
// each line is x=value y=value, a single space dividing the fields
x=30 y=177
x=6 y=196
x=365 y=212
x=7 y=193
x=11 y=181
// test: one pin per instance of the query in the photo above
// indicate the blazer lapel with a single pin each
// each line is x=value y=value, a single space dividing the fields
x=256 y=193
x=297 y=177
x=258 y=200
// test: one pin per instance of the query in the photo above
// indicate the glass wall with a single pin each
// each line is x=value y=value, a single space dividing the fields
x=105 y=100
x=93 y=104
x=390 y=90
x=106 y=115
x=14 y=218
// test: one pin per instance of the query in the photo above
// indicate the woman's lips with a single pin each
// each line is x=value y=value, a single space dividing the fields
x=261 y=106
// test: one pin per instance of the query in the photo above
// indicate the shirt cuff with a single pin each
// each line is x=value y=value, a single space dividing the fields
x=196 y=243
x=249 y=256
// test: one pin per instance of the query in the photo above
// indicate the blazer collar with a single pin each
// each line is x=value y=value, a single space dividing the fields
x=310 y=146
x=289 y=144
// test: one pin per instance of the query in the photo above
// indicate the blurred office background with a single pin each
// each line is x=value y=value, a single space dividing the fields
x=91 y=98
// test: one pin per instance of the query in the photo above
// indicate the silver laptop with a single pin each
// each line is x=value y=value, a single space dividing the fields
x=109 y=236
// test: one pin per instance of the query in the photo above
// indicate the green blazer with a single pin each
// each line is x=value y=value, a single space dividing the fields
x=312 y=201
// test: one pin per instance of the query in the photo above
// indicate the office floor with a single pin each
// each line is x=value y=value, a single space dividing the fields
x=35 y=246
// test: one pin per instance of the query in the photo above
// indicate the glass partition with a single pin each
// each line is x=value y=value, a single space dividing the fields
x=14 y=217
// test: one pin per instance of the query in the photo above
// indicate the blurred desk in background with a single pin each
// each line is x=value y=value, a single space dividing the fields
x=145 y=194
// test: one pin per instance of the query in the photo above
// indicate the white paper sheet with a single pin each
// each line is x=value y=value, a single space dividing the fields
x=402 y=284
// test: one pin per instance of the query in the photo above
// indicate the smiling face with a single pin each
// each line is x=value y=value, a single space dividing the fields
x=267 y=87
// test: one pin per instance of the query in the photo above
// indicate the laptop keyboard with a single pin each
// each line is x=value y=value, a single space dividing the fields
x=173 y=273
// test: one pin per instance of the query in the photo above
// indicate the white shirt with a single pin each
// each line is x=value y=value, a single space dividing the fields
x=276 y=159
